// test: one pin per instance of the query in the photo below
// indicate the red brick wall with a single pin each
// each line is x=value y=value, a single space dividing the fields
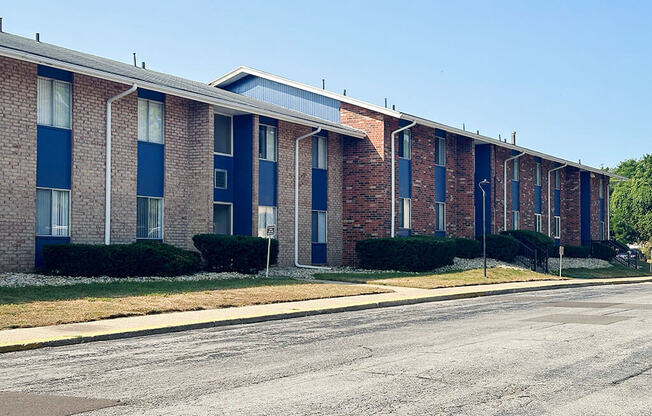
x=500 y=155
x=335 y=180
x=460 y=165
x=18 y=167
x=526 y=191
x=570 y=206
x=423 y=180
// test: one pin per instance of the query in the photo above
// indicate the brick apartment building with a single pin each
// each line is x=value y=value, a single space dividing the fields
x=187 y=158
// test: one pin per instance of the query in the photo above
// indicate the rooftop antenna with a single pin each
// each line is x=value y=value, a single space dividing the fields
x=135 y=64
x=143 y=64
x=38 y=37
x=344 y=92
x=323 y=84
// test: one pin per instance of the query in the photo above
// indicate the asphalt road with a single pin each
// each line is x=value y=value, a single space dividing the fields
x=513 y=354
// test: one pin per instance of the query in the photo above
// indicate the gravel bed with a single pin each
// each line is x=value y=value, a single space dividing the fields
x=573 y=263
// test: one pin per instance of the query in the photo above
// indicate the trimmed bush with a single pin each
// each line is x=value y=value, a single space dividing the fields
x=501 y=247
x=411 y=254
x=149 y=258
x=235 y=253
x=576 y=252
x=602 y=251
x=467 y=248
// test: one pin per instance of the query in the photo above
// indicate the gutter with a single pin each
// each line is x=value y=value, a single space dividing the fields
x=393 y=139
x=505 y=188
x=107 y=169
x=296 y=202
x=549 y=209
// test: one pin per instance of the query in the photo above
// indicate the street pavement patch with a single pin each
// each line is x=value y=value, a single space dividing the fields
x=27 y=404
x=562 y=318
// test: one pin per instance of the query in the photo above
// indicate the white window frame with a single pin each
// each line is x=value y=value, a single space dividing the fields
x=325 y=227
x=405 y=133
x=147 y=139
x=443 y=205
x=262 y=231
x=439 y=142
x=401 y=202
x=52 y=81
x=319 y=138
x=162 y=217
x=230 y=205
x=557 y=227
x=267 y=126
x=538 y=223
x=231 y=120
x=516 y=220
x=69 y=212
x=226 y=179
x=516 y=170
x=537 y=174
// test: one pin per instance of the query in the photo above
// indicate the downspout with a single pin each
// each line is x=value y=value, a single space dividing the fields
x=107 y=201
x=296 y=202
x=505 y=188
x=393 y=137
x=549 y=209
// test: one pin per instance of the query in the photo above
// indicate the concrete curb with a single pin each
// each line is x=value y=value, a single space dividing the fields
x=298 y=314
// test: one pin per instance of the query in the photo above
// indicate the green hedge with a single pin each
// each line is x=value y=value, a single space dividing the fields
x=501 y=247
x=413 y=254
x=602 y=251
x=234 y=253
x=533 y=237
x=576 y=252
x=149 y=258
x=467 y=249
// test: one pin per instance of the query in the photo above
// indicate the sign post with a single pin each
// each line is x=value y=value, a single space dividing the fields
x=270 y=231
x=561 y=255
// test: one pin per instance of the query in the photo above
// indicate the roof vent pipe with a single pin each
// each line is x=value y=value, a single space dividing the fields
x=385 y=102
x=38 y=37
x=323 y=84
x=514 y=138
x=0 y=24
x=135 y=63
x=143 y=64
x=393 y=106
x=345 y=92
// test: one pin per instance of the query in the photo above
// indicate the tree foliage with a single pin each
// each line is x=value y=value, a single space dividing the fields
x=631 y=201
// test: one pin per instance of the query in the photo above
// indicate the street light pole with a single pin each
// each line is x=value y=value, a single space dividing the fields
x=484 y=227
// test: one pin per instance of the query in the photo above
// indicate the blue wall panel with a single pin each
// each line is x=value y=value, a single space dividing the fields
x=150 y=169
x=54 y=73
x=267 y=183
x=405 y=178
x=319 y=253
x=601 y=209
x=537 y=200
x=557 y=207
x=320 y=189
x=53 y=157
x=288 y=97
x=516 y=196
x=482 y=171
x=440 y=184
x=585 y=207
x=243 y=179
x=45 y=241
x=151 y=95
x=224 y=163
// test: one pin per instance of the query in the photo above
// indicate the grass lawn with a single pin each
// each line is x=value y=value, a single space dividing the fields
x=51 y=305
x=613 y=271
x=438 y=280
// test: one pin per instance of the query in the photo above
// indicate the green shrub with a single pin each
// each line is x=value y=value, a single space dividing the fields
x=533 y=237
x=149 y=258
x=467 y=249
x=501 y=247
x=576 y=252
x=235 y=253
x=602 y=251
x=412 y=254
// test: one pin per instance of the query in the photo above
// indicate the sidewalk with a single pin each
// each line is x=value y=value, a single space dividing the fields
x=30 y=338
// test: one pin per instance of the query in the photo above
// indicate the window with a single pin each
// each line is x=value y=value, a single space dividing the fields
x=220 y=179
x=602 y=230
x=53 y=103
x=150 y=121
x=52 y=212
x=319 y=152
x=440 y=151
x=222 y=129
x=267 y=142
x=440 y=216
x=404 y=145
x=537 y=174
x=601 y=192
x=222 y=218
x=404 y=212
x=515 y=170
x=557 y=233
x=515 y=220
x=557 y=180
x=266 y=216
x=319 y=226
x=538 y=223
x=149 y=221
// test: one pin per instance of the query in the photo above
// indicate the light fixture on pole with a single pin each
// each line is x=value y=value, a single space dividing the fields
x=484 y=227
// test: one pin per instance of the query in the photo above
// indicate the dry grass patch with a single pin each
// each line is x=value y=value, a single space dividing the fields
x=17 y=314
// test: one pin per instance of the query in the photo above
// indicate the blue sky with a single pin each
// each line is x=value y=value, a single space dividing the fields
x=572 y=78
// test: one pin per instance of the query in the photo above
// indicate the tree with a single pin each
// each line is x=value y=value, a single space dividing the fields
x=631 y=201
